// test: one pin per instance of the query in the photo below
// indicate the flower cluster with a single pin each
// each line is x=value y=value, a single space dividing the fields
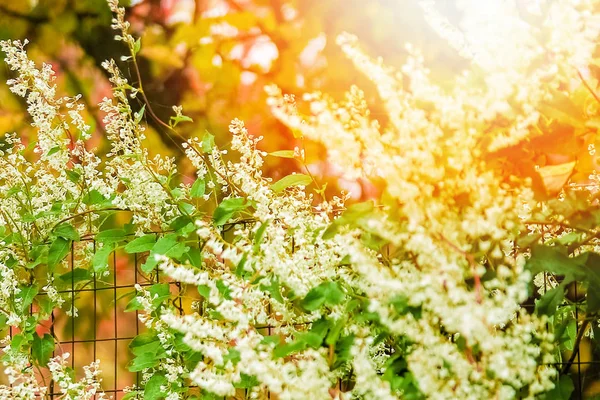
x=415 y=295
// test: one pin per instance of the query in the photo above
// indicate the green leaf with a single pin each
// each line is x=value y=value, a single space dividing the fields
x=223 y=289
x=327 y=293
x=259 y=235
x=343 y=349
x=53 y=150
x=593 y=299
x=291 y=180
x=194 y=256
x=140 y=114
x=134 y=305
x=38 y=255
x=153 y=391
x=246 y=382
x=67 y=231
x=285 y=349
x=571 y=333
x=111 y=236
x=550 y=301
x=25 y=297
x=136 y=394
x=58 y=251
x=186 y=208
x=147 y=343
x=401 y=306
x=100 y=259
x=554 y=259
x=283 y=154
x=159 y=293
x=591 y=272
x=137 y=46
x=527 y=240
x=76 y=275
x=273 y=289
x=355 y=215
x=227 y=209
x=179 y=118
x=562 y=390
x=167 y=246
x=198 y=188
x=208 y=142
x=42 y=348
x=204 y=291
x=310 y=339
x=73 y=175
x=183 y=225
x=141 y=244
x=335 y=331
x=95 y=198
x=45 y=305
x=143 y=361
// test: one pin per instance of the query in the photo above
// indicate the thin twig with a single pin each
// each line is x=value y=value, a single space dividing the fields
x=588 y=87
x=472 y=263
x=576 y=346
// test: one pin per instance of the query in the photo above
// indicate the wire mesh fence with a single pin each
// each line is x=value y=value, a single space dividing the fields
x=96 y=324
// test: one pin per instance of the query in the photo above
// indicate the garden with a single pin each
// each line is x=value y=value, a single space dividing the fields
x=300 y=199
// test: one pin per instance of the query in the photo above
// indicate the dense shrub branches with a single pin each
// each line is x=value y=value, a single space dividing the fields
x=416 y=295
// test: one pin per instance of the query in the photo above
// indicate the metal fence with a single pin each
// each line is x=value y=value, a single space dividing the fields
x=103 y=329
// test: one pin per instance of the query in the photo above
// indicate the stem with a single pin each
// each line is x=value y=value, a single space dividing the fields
x=84 y=213
x=580 y=334
x=559 y=224
x=588 y=87
x=472 y=263
x=163 y=124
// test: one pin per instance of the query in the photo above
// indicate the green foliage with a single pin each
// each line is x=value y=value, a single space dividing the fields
x=227 y=209
x=336 y=314
x=167 y=245
x=153 y=389
x=58 y=251
x=25 y=297
x=100 y=259
x=141 y=244
x=42 y=348
x=291 y=180
x=67 y=231
x=328 y=294
x=550 y=301
x=198 y=188
x=563 y=389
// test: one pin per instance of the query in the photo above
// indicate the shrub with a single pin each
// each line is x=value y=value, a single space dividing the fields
x=415 y=295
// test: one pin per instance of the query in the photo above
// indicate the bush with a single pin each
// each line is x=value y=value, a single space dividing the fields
x=415 y=295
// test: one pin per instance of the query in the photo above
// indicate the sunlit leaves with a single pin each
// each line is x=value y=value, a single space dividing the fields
x=328 y=293
x=66 y=231
x=198 y=188
x=101 y=258
x=141 y=244
x=283 y=154
x=24 y=298
x=58 y=251
x=291 y=180
x=42 y=348
x=166 y=246
x=228 y=208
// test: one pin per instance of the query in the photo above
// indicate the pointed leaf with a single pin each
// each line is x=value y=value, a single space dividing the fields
x=291 y=180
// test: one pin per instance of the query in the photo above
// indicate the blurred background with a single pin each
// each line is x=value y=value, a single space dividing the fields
x=214 y=58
